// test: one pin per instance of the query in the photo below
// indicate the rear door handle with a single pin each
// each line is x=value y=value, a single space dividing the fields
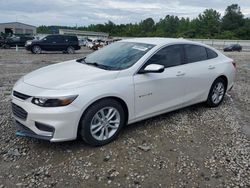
x=180 y=73
x=211 y=67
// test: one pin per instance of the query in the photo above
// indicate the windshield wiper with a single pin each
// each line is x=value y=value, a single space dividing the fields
x=95 y=64
x=81 y=60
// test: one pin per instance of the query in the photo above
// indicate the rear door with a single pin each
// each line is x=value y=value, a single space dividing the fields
x=158 y=92
x=200 y=69
x=59 y=43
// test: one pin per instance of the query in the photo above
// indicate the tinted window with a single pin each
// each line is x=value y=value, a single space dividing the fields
x=168 y=57
x=71 y=38
x=49 y=38
x=195 y=53
x=211 y=54
x=58 y=39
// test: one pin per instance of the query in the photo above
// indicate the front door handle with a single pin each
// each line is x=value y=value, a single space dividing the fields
x=180 y=73
x=211 y=67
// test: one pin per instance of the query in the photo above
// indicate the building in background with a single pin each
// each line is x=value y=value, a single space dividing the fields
x=17 y=28
x=84 y=34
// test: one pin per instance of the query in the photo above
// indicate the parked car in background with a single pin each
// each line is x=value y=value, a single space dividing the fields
x=233 y=47
x=124 y=82
x=16 y=41
x=82 y=42
x=97 y=44
x=89 y=43
x=65 y=43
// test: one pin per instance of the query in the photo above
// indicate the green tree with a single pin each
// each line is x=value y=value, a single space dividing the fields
x=209 y=23
x=147 y=27
x=233 y=18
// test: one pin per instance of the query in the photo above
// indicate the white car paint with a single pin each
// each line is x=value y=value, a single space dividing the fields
x=145 y=95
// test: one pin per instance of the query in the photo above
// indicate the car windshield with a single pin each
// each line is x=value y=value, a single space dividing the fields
x=118 y=56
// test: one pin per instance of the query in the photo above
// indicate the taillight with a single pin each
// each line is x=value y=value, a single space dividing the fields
x=234 y=64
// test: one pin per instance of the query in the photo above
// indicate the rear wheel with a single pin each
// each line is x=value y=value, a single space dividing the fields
x=36 y=49
x=102 y=122
x=7 y=46
x=70 y=50
x=217 y=93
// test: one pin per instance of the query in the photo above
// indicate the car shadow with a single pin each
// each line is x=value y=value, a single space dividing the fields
x=80 y=144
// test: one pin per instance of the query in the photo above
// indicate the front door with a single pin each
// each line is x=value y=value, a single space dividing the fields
x=159 y=92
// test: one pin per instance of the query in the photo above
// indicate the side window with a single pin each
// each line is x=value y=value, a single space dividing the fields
x=71 y=39
x=211 y=54
x=58 y=39
x=195 y=53
x=169 y=56
x=48 y=38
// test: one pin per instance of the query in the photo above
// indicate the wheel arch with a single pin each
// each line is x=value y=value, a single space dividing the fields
x=118 y=99
x=224 y=78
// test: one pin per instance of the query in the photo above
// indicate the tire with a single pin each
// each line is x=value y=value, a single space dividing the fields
x=7 y=46
x=216 y=93
x=70 y=50
x=36 y=49
x=93 y=131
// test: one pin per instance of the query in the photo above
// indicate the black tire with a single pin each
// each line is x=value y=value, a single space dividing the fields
x=88 y=116
x=6 y=46
x=36 y=49
x=213 y=103
x=70 y=50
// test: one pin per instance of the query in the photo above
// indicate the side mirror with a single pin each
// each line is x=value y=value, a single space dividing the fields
x=152 y=68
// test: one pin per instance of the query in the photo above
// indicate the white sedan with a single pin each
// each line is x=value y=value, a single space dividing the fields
x=125 y=82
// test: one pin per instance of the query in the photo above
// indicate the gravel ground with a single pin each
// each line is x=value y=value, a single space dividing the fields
x=191 y=147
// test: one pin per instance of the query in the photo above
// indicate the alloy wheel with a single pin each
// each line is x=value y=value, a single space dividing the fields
x=105 y=123
x=218 y=92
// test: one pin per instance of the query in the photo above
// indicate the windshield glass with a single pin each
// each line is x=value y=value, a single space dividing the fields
x=118 y=56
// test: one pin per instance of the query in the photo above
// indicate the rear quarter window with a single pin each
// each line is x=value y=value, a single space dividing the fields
x=195 y=53
x=211 y=54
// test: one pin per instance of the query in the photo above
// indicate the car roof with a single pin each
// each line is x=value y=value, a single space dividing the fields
x=158 y=40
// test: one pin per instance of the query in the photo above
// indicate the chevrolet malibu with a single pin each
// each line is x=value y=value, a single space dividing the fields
x=125 y=82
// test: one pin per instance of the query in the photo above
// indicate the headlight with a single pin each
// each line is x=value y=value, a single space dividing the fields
x=53 y=102
x=28 y=42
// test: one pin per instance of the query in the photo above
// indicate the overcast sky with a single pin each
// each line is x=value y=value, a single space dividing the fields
x=85 y=12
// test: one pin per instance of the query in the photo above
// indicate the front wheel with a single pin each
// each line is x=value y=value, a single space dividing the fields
x=36 y=49
x=217 y=93
x=102 y=122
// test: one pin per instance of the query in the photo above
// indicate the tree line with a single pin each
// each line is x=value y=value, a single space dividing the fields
x=209 y=24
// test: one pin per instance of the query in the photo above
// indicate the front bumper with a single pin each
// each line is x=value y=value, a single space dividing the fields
x=54 y=124
x=22 y=130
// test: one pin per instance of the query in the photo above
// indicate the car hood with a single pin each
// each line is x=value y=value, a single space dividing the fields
x=68 y=75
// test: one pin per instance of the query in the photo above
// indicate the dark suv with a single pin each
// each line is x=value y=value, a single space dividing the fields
x=64 y=43
x=16 y=41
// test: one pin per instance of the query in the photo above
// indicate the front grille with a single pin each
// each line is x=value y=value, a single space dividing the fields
x=20 y=95
x=19 y=112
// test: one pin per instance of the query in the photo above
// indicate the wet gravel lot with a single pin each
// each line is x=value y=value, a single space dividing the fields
x=192 y=147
